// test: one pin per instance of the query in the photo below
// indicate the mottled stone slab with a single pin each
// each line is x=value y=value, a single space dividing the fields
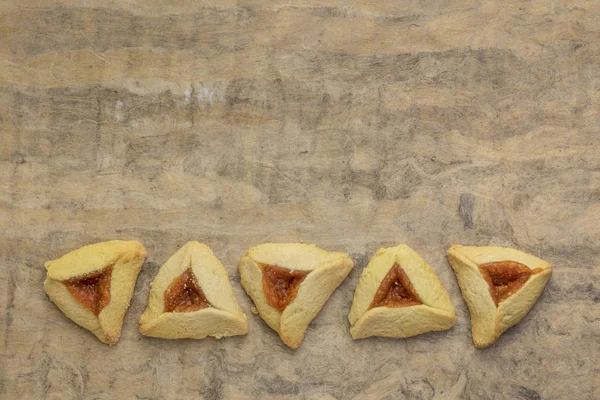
x=353 y=125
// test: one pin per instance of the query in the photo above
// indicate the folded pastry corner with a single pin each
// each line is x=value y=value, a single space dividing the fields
x=290 y=282
x=499 y=285
x=93 y=285
x=191 y=297
x=399 y=295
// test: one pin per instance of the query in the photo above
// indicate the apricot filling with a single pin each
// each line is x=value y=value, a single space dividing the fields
x=505 y=278
x=395 y=290
x=184 y=294
x=91 y=290
x=281 y=285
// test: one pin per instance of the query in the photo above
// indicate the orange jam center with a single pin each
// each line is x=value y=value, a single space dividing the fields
x=184 y=294
x=91 y=290
x=281 y=285
x=505 y=278
x=395 y=290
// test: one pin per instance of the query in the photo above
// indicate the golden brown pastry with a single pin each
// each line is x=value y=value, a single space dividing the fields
x=191 y=297
x=93 y=285
x=499 y=285
x=289 y=284
x=399 y=295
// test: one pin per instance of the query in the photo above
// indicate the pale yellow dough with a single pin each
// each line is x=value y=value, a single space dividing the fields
x=488 y=322
x=328 y=270
x=127 y=258
x=223 y=318
x=435 y=314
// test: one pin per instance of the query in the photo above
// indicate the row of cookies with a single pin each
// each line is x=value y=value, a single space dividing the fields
x=398 y=294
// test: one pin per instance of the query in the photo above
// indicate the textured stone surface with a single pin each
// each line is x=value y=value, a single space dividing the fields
x=352 y=125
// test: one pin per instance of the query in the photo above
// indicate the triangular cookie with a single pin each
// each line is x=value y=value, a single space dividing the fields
x=191 y=297
x=93 y=285
x=499 y=285
x=399 y=295
x=290 y=282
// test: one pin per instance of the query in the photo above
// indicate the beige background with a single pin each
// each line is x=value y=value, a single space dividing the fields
x=352 y=125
